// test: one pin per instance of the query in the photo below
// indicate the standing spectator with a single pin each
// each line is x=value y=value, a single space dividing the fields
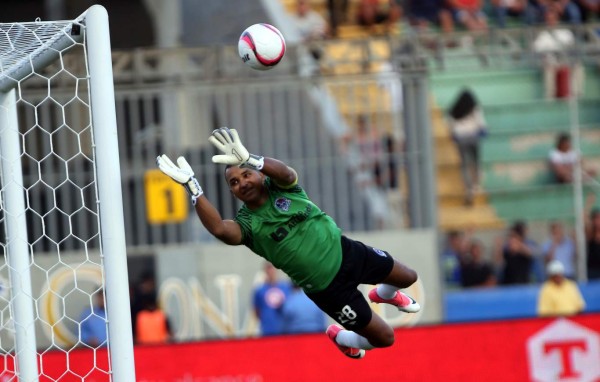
x=423 y=13
x=453 y=256
x=337 y=14
x=152 y=325
x=560 y=247
x=475 y=270
x=301 y=315
x=93 y=330
x=516 y=258
x=468 y=126
x=538 y=265
x=311 y=25
x=559 y=296
x=372 y=12
x=592 y=234
x=371 y=150
x=268 y=302
x=562 y=160
x=468 y=13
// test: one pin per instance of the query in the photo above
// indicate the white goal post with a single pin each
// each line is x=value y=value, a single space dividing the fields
x=60 y=199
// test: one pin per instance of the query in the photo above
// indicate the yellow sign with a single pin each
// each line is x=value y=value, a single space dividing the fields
x=166 y=200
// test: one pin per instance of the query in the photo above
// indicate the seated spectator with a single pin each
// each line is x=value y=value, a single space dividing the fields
x=516 y=9
x=475 y=270
x=550 y=12
x=560 y=247
x=453 y=256
x=516 y=259
x=592 y=235
x=468 y=13
x=589 y=9
x=372 y=12
x=559 y=296
x=423 y=13
x=152 y=324
x=301 y=315
x=553 y=39
x=93 y=330
x=562 y=160
x=311 y=25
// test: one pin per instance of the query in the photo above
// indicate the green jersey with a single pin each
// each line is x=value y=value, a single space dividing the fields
x=292 y=233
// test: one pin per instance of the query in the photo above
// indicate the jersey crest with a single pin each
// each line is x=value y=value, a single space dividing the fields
x=283 y=203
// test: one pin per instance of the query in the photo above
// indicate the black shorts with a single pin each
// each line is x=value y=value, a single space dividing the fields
x=341 y=300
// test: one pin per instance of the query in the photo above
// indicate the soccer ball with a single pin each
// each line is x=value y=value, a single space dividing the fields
x=261 y=46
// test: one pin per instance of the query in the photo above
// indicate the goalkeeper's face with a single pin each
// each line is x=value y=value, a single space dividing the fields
x=245 y=184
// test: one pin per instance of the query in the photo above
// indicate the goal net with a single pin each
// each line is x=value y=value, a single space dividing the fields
x=64 y=300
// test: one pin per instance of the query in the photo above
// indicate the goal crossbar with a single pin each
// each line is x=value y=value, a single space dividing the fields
x=29 y=47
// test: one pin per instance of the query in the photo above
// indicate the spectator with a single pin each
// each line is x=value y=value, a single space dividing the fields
x=423 y=13
x=551 y=12
x=516 y=258
x=553 y=39
x=93 y=330
x=511 y=8
x=301 y=315
x=475 y=270
x=468 y=13
x=146 y=286
x=560 y=247
x=592 y=234
x=559 y=296
x=268 y=301
x=337 y=14
x=372 y=12
x=562 y=160
x=468 y=126
x=152 y=325
x=589 y=9
x=371 y=151
x=311 y=25
x=538 y=265
x=453 y=256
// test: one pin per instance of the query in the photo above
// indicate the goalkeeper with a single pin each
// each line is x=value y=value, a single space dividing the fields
x=281 y=224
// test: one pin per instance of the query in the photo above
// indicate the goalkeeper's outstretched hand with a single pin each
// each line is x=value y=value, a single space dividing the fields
x=182 y=174
x=234 y=153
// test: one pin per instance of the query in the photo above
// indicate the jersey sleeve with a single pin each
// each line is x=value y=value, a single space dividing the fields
x=272 y=186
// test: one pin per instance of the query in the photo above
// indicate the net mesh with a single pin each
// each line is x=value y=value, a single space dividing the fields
x=61 y=206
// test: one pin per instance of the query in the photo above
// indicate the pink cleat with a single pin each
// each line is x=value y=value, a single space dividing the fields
x=402 y=301
x=332 y=332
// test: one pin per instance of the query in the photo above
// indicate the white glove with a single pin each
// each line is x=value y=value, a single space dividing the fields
x=182 y=174
x=234 y=153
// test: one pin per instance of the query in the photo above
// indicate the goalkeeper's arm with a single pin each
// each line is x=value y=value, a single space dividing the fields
x=227 y=231
x=280 y=173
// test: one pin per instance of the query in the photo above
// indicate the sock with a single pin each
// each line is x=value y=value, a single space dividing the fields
x=353 y=340
x=386 y=291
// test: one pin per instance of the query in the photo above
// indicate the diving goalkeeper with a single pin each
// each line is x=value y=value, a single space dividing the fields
x=281 y=224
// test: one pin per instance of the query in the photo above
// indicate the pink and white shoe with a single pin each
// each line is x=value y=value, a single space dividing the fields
x=402 y=301
x=332 y=332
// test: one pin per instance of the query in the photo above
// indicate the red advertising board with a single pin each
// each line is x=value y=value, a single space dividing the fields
x=520 y=350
